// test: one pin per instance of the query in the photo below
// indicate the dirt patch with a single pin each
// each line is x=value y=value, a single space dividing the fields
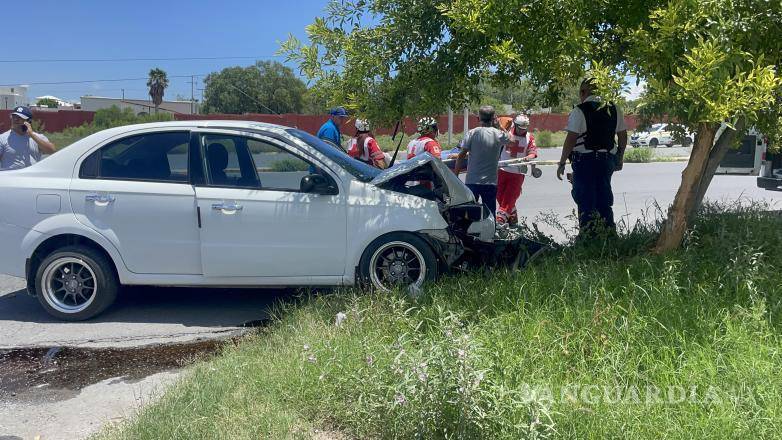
x=66 y=368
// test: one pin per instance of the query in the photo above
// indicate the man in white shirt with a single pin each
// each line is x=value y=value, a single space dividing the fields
x=20 y=146
x=595 y=144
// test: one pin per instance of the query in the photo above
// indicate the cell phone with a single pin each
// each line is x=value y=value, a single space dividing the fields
x=24 y=128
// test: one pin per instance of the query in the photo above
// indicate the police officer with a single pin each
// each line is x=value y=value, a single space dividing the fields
x=594 y=154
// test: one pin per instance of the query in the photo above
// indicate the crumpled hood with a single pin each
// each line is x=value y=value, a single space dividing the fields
x=458 y=193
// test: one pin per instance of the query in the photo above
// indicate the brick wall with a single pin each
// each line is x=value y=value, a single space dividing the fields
x=62 y=119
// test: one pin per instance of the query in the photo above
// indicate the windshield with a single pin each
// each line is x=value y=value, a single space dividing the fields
x=657 y=127
x=358 y=169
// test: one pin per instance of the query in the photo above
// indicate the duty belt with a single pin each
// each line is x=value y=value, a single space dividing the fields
x=577 y=155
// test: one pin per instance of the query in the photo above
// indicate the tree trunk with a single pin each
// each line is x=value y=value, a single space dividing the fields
x=718 y=153
x=675 y=226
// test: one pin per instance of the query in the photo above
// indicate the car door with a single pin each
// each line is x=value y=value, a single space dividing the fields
x=665 y=135
x=136 y=192
x=255 y=220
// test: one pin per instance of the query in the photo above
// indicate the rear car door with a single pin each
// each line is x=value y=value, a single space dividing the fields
x=136 y=192
x=255 y=220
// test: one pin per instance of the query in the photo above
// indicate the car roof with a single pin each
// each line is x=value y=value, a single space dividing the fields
x=66 y=157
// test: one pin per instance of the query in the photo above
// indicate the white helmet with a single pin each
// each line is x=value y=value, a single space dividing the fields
x=521 y=121
x=427 y=124
x=362 y=125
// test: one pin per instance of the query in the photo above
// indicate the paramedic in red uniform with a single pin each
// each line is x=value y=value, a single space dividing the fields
x=426 y=141
x=510 y=179
x=364 y=147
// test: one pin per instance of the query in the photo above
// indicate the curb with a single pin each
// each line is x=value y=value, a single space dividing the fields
x=656 y=159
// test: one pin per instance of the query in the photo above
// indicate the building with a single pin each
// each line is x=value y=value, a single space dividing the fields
x=11 y=97
x=61 y=104
x=139 y=106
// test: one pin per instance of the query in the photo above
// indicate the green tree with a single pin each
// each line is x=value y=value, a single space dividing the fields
x=157 y=83
x=265 y=87
x=706 y=62
x=47 y=102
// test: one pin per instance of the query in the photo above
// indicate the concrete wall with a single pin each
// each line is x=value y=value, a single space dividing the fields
x=94 y=103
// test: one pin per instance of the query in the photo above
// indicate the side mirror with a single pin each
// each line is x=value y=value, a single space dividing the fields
x=317 y=184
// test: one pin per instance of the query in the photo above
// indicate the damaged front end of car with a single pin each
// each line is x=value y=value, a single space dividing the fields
x=471 y=239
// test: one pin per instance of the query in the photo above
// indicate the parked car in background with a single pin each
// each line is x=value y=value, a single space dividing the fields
x=661 y=134
x=226 y=203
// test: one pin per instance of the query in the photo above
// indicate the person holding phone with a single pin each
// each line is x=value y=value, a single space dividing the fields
x=20 y=146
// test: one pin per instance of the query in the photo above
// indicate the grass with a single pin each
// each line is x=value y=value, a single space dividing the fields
x=593 y=341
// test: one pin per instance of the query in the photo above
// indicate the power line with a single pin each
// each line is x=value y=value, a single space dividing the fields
x=111 y=60
x=92 y=81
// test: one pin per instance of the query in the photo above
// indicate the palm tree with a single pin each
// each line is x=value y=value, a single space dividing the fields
x=157 y=83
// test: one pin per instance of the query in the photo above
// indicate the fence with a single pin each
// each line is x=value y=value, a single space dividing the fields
x=52 y=122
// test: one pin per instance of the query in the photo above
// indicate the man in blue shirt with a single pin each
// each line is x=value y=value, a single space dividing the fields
x=329 y=131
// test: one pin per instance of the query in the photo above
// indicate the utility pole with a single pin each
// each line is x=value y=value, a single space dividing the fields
x=450 y=125
x=123 y=94
x=192 y=94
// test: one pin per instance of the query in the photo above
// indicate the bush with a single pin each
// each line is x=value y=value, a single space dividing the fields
x=288 y=165
x=543 y=139
x=638 y=155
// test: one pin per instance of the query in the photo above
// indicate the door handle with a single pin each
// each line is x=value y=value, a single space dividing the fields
x=232 y=208
x=100 y=199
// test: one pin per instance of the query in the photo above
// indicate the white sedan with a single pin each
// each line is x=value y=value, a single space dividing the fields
x=662 y=134
x=225 y=203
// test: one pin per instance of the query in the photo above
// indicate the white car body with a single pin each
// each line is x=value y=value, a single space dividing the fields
x=185 y=234
x=656 y=135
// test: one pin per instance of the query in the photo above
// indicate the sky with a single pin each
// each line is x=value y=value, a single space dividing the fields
x=112 y=29
x=90 y=30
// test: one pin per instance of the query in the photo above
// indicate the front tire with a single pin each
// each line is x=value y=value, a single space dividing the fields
x=653 y=143
x=75 y=283
x=398 y=260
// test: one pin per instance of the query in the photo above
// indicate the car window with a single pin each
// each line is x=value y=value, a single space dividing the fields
x=156 y=157
x=360 y=170
x=278 y=168
x=228 y=162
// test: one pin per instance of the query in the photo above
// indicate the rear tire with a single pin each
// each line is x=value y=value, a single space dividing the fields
x=75 y=283
x=397 y=260
x=653 y=143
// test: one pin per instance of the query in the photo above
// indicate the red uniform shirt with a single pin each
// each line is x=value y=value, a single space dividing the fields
x=423 y=144
x=369 y=152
